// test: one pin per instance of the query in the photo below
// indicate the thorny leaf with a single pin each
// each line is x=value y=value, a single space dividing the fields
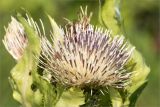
x=50 y=94
x=20 y=74
x=110 y=16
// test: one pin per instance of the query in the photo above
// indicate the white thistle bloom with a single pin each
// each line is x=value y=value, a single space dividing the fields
x=15 y=40
x=86 y=55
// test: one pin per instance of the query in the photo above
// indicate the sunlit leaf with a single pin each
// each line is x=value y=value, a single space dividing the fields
x=71 y=98
x=20 y=74
x=110 y=16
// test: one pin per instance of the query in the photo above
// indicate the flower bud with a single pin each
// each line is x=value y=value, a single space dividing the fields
x=15 y=39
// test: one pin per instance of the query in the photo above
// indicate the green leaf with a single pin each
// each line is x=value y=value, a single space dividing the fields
x=110 y=16
x=50 y=94
x=72 y=97
x=133 y=98
x=141 y=71
x=115 y=97
x=21 y=79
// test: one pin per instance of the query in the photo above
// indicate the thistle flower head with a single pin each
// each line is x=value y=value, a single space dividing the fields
x=86 y=55
x=15 y=40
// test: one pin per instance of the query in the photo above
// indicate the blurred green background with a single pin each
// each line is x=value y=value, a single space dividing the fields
x=142 y=28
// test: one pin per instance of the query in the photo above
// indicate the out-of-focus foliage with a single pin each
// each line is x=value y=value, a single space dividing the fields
x=140 y=22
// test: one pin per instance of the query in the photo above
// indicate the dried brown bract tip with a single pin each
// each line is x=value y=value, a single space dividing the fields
x=15 y=40
x=87 y=56
x=84 y=19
